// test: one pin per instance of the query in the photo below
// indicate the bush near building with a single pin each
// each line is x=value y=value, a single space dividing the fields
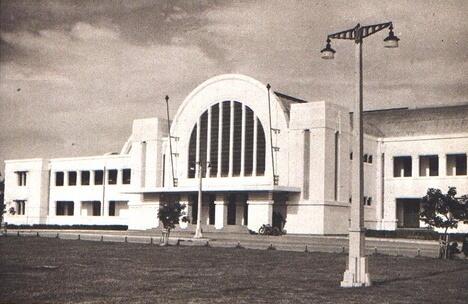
x=69 y=227
x=426 y=234
x=444 y=211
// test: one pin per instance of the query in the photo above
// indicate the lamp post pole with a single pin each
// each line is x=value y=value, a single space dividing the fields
x=198 y=230
x=357 y=275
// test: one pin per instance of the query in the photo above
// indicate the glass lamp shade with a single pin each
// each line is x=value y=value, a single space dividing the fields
x=327 y=54
x=391 y=41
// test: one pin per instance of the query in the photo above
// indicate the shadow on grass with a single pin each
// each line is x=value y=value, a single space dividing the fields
x=422 y=276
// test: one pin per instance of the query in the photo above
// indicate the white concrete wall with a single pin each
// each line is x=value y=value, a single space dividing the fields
x=142 y=214
x=35 y=192
x=416 y=186
x=146 y=162
x=84 y=193
x=315 y=213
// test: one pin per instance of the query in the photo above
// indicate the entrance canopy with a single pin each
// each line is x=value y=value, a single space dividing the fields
x=212 y=188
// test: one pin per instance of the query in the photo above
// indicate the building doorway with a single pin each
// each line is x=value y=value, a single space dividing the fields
x=231 y=209
x=408 y=212
x=211 y=210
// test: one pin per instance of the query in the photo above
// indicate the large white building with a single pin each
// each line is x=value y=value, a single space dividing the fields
x=293 y=160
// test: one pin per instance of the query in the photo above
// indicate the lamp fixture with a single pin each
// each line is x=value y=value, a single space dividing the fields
x=391 y=41
x=328 y=52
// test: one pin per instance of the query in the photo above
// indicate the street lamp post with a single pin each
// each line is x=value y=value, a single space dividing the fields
x=357 y=274
x=201 y=167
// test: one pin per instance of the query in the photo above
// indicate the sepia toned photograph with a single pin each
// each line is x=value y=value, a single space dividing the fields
x=233 y=151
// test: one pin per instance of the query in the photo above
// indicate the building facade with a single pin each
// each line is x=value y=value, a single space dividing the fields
x=263 y=158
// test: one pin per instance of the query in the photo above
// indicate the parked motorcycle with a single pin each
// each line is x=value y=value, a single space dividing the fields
x=269 y=230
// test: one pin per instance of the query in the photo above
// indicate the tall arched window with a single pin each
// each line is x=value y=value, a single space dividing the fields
x=231 y=138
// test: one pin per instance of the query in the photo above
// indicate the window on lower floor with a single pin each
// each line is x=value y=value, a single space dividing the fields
x=456 y=164
x=72 y=178
x=91 y=208
x=59 y=178
x=20 y=206
x=96 y=208
x=402 y=166
x=112 y=177
x=429 y=165
x=64 y=208
x=126 y=176
x=111 y=208
x=85 y=178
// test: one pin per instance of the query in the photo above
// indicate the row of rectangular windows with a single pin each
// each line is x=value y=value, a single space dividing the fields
x=98 y=177
x=67 y=208
x=85 y=177
x=429 y=165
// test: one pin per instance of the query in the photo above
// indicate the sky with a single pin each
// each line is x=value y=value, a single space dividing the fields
x=75 y=74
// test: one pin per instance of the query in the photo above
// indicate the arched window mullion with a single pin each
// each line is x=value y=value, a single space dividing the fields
x=232 y=138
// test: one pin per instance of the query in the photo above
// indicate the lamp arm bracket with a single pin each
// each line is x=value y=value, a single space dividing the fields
x=347 y=34
x=359 y=32
x=372 y=29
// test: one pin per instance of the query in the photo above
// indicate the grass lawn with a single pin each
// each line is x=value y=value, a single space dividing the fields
x=42 y=270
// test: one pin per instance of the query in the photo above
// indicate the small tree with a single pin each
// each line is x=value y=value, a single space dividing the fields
x=170 y=214
x=443 y=211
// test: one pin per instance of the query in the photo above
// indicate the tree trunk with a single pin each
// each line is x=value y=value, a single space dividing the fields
x=446 y=254
x=165 y=236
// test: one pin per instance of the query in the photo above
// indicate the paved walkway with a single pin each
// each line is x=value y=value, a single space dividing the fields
x=311 y=243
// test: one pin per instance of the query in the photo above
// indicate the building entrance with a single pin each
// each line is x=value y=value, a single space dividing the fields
x=231 y=210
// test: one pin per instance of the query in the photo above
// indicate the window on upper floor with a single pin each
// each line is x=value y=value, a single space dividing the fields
x=59 y=177
x=429 y=165
x=126 y=176
x=456 y=164
x=367 y=158
x=98 y=177
x=367 y=201
x=112 y=177
x=85 y=178
x=402 y=166
x=21 y=177
x=72 y=178
x=20 y=207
